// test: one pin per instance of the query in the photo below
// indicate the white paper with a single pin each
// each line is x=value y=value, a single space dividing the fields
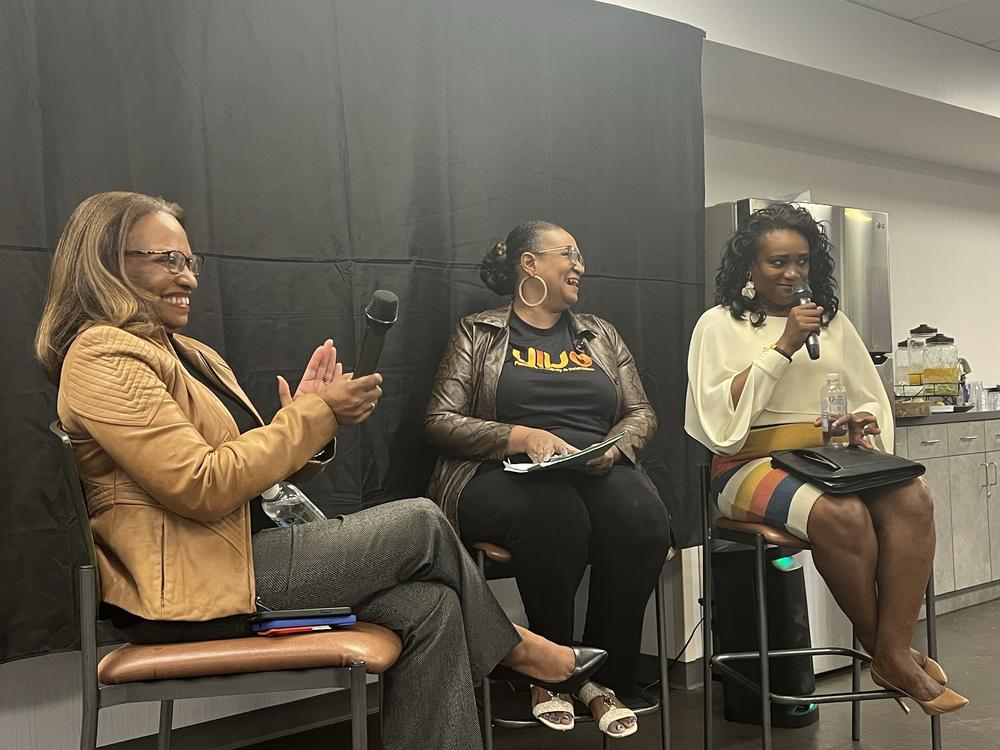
x=567 y=461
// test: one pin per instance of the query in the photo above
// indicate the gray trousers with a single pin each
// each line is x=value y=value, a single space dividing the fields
x=402 y=566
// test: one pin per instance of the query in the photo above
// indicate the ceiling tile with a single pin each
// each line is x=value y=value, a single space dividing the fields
x=977 y=22
x=910 y=9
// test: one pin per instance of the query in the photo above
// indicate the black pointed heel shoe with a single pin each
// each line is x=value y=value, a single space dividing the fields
x=588 y=661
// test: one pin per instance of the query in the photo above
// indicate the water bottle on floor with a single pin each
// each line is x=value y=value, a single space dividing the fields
x=833 y=406
x=287 y=505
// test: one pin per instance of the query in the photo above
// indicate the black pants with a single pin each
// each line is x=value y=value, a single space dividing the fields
x=554 y=523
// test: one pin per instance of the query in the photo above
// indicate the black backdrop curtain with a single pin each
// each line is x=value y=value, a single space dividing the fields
x=322 y=150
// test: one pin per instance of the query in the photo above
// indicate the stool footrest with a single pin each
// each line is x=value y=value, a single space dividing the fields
x=819 y=698
x=779 y=653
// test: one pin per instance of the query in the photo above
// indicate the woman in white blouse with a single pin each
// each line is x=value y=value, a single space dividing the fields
x=753 y=389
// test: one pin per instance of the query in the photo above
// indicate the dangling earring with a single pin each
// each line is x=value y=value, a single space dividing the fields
x=749 y=290
x=520 y=291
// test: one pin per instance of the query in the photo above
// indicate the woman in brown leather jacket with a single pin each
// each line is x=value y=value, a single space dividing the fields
x=530 y=381
x=172 y=453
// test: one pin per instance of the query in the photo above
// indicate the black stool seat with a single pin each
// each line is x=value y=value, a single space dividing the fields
x=772 y=535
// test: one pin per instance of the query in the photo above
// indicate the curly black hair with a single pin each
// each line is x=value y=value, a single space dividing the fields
x=741 y=250
x=499 y=267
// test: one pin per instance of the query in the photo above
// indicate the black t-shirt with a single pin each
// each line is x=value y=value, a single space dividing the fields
x=547 y=384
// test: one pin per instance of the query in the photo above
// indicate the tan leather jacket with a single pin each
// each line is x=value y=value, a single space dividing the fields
x=166 y=474
x=461 y=416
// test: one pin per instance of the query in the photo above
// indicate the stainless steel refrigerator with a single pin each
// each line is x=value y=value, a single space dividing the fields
x=861 y=254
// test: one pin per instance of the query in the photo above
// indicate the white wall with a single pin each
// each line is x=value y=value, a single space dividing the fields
x=944 y=226
x=850 y=40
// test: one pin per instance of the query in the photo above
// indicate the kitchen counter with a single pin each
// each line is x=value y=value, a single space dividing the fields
x=947 y=418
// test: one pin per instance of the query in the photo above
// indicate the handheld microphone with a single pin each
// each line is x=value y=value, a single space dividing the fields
x=804 y=294
x=380 y=313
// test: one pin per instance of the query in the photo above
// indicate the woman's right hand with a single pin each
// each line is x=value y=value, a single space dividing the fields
x=541 y=445
x=352 y=401
x=802 y=320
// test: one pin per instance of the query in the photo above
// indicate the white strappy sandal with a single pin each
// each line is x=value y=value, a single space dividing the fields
x=616 y=710
x=554 y=705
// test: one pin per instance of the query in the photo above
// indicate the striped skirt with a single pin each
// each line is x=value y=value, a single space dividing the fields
x=747 y=488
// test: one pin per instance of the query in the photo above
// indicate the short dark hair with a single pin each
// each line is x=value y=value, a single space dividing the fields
x=499 y=267
x=741 y=251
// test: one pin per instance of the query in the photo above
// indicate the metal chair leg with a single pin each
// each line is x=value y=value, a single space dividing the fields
x=88 y=731
x=359 y=707
x=381 y=707
x=88 y=657
x=856 y=688
x=662 y=644
x=166 y=724
x=706 y=607
x=930 y=619
x=762 y=644
x=487 y=688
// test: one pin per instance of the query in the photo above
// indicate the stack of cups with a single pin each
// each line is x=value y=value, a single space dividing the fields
x=977 y=396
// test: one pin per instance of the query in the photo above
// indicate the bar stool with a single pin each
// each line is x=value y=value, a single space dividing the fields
x=769 y=543
x=495 y=564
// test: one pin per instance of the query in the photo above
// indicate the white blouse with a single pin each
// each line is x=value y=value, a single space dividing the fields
x=777 y=391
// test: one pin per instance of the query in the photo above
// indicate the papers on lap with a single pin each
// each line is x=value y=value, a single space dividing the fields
x=568 y=461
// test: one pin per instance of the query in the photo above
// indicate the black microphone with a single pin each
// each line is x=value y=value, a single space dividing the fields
x=380 y=314
x=804 y=295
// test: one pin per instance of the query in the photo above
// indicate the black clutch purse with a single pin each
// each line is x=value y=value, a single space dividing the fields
x=845 y=470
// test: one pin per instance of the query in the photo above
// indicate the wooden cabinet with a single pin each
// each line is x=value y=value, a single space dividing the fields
x=966 y=437
x=993 y=505
x=970 y=519
x=963 y=474
x=926 y=442
x=938 y=478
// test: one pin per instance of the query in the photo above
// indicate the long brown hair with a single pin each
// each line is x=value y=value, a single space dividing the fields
x=87 y=283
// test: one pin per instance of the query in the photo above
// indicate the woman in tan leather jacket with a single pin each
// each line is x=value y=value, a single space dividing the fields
x=533 y=380
x=171 y=454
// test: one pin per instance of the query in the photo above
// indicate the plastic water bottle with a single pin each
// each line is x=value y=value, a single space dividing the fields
x=287 y=505
x=833 y=406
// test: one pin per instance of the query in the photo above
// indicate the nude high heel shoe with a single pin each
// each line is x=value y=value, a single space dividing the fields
x=935 y=671
x=945 y=703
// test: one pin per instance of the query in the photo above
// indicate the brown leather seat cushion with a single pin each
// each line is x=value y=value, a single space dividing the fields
x=376 y=646
x=494 y=552
x=777 y=537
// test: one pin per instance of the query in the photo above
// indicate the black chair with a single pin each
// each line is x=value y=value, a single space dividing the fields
x=494 y=564
x=237 y=666
x=769 y=543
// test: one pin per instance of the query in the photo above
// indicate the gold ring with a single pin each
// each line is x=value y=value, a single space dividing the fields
x=373 y=406
x=326 y=382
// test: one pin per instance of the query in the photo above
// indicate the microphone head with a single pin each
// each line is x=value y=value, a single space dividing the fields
x=383 y=308
x=802 y=291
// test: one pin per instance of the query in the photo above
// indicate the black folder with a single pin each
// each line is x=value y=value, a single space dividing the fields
x=843 y=470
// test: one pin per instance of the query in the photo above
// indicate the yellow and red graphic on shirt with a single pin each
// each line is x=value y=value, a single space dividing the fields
x=539 y=359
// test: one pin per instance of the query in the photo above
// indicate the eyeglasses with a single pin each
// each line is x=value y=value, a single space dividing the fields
x=569 y=251
x=175 y=260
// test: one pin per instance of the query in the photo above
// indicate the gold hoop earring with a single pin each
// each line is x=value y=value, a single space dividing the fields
x=520 y=291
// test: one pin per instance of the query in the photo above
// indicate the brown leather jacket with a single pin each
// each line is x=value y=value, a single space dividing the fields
x=166 y=474
x=461 y=416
